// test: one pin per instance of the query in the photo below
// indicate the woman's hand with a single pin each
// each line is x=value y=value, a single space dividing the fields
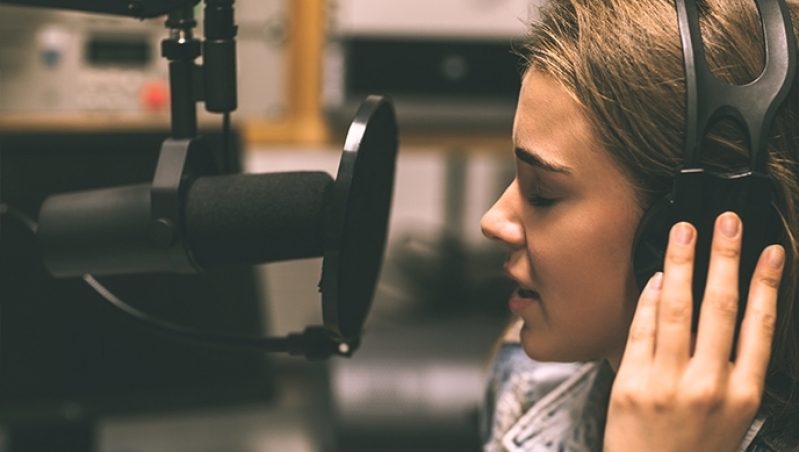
x=670 y=396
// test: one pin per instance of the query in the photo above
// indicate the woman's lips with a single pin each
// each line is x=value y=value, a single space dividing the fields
x=521 y=299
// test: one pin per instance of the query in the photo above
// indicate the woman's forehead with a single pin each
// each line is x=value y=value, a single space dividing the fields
x=552 y=126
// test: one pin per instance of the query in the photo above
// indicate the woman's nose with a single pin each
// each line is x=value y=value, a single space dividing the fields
x=501 y=223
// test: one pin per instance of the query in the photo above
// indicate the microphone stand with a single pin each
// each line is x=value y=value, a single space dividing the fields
x=185 y=156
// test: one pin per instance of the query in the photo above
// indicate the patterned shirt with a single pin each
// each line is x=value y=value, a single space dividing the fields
x=559 y=407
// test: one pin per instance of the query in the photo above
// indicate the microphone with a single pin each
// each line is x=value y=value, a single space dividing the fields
x=255 y=218
x=189 y=221
x=229 y=220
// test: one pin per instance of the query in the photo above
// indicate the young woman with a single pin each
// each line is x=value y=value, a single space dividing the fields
x=598 y=137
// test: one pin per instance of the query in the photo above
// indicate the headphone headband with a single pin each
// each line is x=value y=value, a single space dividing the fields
x=754 y=104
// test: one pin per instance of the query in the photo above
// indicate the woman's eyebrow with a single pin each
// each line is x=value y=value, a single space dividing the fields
x=534 y=160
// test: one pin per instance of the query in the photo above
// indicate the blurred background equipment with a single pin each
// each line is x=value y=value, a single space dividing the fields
x=447 y=63
x=58 y=61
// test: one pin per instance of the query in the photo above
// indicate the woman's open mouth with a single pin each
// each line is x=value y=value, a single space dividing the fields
x=521 y=299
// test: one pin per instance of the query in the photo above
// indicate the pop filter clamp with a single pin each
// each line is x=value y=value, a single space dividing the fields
x=144 y=228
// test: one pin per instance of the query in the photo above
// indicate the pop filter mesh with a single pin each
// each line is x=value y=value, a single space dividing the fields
x=352 y=268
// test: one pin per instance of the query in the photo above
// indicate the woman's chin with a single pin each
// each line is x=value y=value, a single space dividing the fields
x=536 y=347
x=544 y=349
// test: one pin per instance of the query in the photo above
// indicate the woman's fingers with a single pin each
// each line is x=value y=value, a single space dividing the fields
x=673 y=335
x=663 y=392
x=641 y=338
x=757 y=329
x=719 y=309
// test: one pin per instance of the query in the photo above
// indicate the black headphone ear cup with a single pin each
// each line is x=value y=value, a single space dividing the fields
x=700 y=203
x=651 y=239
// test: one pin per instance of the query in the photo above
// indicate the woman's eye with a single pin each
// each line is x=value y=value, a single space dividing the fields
x=540 y=201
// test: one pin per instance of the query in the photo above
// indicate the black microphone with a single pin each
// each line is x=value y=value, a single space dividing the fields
x=230 y=219
x=256 y=218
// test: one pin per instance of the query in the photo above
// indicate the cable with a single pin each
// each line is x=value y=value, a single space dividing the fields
x=266 y=344
x=313 y=343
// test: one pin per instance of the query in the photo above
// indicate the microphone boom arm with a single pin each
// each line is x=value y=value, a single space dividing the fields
x=141 y=9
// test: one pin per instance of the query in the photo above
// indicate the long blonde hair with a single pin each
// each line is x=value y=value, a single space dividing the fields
x=622 y=61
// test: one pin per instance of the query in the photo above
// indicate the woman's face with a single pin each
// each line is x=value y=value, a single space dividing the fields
x=568 y=219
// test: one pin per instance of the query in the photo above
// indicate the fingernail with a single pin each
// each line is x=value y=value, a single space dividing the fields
x=776 y=256
x=656 y=281
x=683 y=233
x=729 y=224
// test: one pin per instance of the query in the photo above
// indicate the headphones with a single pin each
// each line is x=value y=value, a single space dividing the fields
x=698 y=196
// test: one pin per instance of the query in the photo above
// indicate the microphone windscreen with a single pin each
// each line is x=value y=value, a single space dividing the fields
x=256 y=218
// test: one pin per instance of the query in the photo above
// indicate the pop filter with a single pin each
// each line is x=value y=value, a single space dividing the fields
x=358 y=219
